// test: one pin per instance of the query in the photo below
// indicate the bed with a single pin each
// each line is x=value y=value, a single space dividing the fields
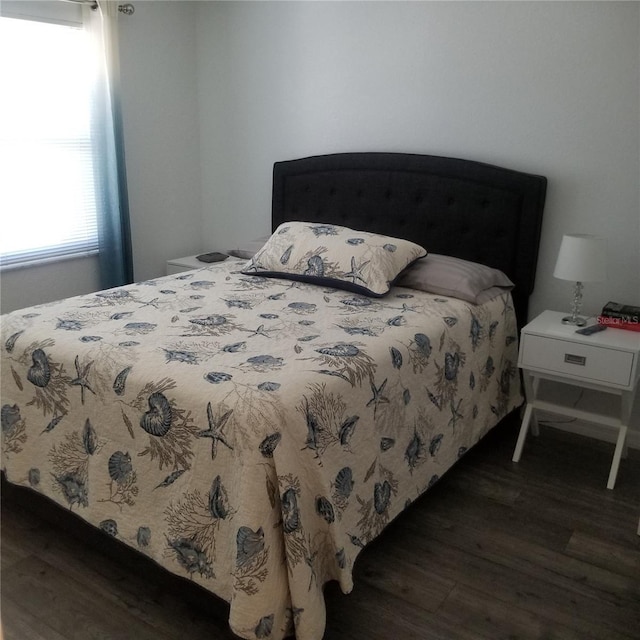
x=255 y=433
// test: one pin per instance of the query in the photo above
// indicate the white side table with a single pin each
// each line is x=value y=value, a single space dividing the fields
x=178 y=265
x=606 y=361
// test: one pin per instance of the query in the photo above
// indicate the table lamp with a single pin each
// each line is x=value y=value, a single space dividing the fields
x=582 y=258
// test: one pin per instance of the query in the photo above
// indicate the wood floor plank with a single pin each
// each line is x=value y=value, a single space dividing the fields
x=606 y=554
x=485 y=484
x=588 y=512
x=515 y=579
x=17 y=537
x=495 y=619
x=379 y=615
x=405 y=576
x=483 y=510
x=19 y=624
x=72 y=609
x=522 y=560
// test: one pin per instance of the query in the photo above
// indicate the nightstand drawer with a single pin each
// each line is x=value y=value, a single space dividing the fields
x=563 y=357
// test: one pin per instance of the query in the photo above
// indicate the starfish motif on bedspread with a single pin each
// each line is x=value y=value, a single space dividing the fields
x=81 y=379
x=455 y=414
x=260 y=331
x=309 y=559
x=378 y=398
x=405 y=307
x=215 y=430
x=356 y=271
x=152 y=303
x=506 y=305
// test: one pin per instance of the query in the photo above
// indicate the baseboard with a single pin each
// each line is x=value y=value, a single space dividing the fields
x=589 y=429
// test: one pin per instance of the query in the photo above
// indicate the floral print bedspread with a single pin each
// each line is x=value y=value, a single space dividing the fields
x=251 y=434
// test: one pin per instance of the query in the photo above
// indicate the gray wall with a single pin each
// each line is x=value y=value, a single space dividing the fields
x=215 y=92
x=545 y=87
x=25 y=286
x=158 y=70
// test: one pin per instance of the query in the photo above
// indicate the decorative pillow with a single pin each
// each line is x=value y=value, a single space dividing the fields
x=457 y=278
x=326 y=254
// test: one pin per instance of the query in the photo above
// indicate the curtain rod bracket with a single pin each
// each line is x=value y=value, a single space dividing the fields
x=128 y=9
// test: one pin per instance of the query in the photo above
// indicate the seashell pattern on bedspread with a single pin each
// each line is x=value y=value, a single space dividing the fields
x=254 y=447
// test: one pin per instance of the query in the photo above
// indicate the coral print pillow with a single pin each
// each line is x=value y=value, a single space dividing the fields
x=329 y=255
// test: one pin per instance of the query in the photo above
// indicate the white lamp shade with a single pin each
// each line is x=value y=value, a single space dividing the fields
x=582 y=258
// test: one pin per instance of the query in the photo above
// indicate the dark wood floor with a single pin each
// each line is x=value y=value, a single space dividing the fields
x=540 y=549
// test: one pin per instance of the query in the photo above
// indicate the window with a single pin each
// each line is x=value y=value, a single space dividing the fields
x=48 y=194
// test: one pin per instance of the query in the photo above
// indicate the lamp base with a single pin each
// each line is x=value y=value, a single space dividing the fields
x=574 y=320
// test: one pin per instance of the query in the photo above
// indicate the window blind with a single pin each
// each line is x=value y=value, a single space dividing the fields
x=48 y=195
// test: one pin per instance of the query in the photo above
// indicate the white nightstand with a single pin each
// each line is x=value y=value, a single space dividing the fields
x=605 y=361
x=178 y=265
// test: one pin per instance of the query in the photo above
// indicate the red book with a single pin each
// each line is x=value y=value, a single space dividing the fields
x=625 y=312
x=617 y=323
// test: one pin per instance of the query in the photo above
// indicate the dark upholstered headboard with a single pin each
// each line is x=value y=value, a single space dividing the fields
x=455 y=207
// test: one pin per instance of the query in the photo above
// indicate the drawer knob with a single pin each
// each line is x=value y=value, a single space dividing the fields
x=571 y=358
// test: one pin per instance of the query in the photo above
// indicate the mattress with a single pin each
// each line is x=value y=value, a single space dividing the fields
x=252 y=434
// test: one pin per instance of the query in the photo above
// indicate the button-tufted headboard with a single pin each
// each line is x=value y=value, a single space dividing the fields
x=451 y=206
